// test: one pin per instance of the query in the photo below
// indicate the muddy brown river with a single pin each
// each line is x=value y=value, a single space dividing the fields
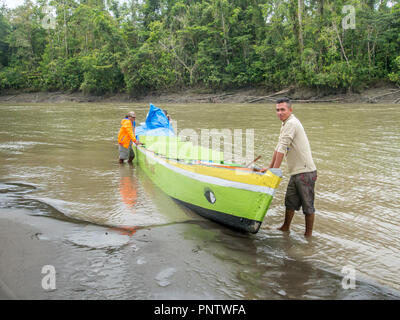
x=110 y=233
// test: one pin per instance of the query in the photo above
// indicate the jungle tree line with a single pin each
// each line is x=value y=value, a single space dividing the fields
x=100 y=46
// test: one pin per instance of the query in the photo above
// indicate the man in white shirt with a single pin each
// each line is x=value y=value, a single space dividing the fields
x=294 y=146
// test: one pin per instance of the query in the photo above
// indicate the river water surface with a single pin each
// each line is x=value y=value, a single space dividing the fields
x=110 y=233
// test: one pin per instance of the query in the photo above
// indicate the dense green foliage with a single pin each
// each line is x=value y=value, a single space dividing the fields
x=100 y=46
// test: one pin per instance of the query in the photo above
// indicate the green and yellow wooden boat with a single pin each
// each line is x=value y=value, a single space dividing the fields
x=197 y=177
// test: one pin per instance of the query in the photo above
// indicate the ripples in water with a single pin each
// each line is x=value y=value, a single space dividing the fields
x=69 y=171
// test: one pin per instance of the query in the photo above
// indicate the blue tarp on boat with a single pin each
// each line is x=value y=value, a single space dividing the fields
x=157 y=124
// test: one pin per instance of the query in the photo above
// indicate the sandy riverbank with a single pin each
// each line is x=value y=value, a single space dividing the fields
x=168 y=262
x=379 y=93
x=99 y=262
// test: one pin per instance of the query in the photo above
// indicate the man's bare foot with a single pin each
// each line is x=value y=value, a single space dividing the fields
x=308 y=234
x=283 y=228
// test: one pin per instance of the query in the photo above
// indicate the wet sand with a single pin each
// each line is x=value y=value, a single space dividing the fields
x=171 y=262
x=95 y=262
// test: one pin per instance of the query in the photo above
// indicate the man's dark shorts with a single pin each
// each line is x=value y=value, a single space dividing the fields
x=300 y=192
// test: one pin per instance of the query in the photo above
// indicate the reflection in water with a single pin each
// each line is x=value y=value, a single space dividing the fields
x=129 y=231
x=128 y=190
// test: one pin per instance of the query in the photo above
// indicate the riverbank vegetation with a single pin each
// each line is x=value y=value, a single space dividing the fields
x=137 y=46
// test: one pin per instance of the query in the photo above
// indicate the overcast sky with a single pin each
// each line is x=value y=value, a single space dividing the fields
x=12 y=3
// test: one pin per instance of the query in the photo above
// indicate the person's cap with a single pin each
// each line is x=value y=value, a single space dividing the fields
x=132 y=114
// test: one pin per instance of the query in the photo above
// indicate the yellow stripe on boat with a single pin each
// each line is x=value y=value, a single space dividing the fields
x=237 y=174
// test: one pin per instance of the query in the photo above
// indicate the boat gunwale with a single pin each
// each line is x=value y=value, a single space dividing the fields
x=200 y=163
x=215 y=180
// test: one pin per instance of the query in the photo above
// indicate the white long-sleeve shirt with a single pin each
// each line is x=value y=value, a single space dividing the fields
x=294 y=144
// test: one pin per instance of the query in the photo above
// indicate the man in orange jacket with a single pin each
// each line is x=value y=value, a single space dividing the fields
x=126 y=136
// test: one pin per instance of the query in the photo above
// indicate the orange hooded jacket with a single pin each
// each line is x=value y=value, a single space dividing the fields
x=126 y=133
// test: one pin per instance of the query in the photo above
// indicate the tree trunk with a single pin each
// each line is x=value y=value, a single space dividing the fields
x=300 y=5
x=190 y=69
x=225 y=35
x=65 y=34
x=340 y=41
x=321 y=11
x=369 y=49
x=338 y=36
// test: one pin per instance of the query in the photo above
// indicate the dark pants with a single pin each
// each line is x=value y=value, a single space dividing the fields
x=126 y=153
x=300 y=192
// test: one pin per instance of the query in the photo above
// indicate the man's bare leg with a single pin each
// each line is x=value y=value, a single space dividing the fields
x=289 y=213
x=309 y=224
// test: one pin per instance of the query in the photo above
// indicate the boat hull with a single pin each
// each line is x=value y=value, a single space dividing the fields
x=238 y=205
x=234 y=222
